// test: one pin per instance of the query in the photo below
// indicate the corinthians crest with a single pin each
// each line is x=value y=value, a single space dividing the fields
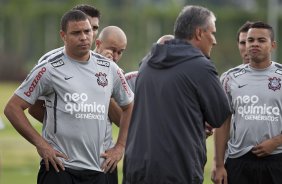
x=274 y=83
x=101 y=79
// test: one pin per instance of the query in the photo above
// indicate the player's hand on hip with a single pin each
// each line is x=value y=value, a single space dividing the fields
x=112 y=157
x=50 y=155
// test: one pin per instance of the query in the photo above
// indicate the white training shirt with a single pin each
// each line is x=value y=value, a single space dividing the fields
x=256 y=101
x=109 y=142
x=77 y=99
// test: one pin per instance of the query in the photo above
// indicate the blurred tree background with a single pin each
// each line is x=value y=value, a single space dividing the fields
x=29 y=28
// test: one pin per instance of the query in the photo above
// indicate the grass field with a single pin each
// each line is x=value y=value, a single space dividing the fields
x=19 y=161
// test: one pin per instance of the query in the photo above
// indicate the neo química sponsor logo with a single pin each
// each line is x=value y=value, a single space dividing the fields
x=249 y=108
x=78 y=105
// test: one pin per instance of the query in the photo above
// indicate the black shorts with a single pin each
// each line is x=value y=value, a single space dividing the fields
x=250 y=169
x=71 y=176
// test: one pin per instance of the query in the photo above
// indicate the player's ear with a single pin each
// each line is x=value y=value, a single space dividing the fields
x=98 y=43
x=274 y=44
x=63 y=35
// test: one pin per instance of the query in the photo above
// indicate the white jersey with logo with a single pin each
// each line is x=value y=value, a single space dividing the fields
x=255 y=98
x=109 y=142
x=77 y=99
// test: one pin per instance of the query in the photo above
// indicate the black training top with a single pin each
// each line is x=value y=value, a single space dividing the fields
x=177 y=90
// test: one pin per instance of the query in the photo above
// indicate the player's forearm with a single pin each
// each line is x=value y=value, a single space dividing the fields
x=221 y=136
x=124 y=124
x=115 y=112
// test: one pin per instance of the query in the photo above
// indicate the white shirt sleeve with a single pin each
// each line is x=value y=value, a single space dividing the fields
x=121 y=91
x=38 y=83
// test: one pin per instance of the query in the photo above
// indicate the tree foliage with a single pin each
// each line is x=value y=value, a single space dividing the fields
x=29 y=28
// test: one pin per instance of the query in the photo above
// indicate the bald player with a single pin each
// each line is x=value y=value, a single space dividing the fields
x=111 y=43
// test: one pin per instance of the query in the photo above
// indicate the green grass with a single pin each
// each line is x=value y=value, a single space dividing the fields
x=19 y=161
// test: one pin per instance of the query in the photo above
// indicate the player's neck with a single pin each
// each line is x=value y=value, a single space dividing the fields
x=260 y=65
x=81 y=59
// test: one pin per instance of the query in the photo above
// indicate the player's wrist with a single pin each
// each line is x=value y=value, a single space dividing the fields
x=120 y=145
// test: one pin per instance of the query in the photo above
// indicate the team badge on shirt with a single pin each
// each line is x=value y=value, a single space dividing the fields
x=101 y=79
x=274 y=83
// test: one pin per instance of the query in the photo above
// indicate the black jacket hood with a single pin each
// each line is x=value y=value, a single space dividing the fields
x=171 y=53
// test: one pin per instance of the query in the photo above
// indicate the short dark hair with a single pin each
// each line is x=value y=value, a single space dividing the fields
x=243 y=29
x=189 y=19
x=88 y=10
x=72 y=15
x=262 y=25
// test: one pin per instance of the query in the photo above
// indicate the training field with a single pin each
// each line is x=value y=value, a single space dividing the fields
x=19 y=161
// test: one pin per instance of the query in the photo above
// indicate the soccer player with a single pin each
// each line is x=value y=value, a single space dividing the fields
x=77 y=85
x=254 y=92
x=177 y=91
x=241 y=41
x=37 y=110
x=93 y=15
x=111 y=43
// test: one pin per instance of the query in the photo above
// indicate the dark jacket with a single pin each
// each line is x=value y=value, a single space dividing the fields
x=177 y=90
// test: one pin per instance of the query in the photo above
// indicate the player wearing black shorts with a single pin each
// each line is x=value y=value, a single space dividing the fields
x=77 y=85
x=254 y=92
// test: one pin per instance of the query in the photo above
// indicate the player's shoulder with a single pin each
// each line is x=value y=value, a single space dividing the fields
x=54 y=60
x=50 y=53
x=101 y=60
x=276 y=68
x=236 y=71
x=48 y=65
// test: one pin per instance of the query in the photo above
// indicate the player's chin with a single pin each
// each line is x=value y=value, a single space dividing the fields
x=82 y=53
x=84 y=47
